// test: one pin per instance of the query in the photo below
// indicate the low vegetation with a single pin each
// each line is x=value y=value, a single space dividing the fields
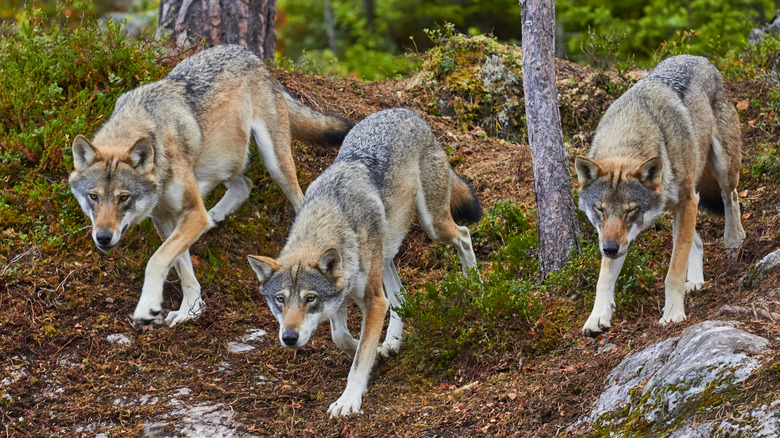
x=61 y=297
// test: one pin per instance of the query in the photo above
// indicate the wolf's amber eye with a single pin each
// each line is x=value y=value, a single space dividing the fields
x=93 y=196
x=311 y=298
x=280 y=298
x=124 y=198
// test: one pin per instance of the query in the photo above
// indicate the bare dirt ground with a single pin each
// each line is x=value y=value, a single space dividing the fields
x=61 y=376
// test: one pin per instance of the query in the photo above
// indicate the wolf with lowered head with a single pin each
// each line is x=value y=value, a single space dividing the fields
x=352 y=223
x=672 y=142
x=171 y=142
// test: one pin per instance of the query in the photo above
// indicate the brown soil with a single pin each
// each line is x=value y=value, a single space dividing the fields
x=64 y=375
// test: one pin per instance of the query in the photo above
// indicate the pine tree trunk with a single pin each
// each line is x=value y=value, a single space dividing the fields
x=250 y=23
x=557 y=218
x=330 y=27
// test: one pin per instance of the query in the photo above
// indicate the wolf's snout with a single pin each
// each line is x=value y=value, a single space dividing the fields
x=290 y=338
x=610 y=248
x=103 y=238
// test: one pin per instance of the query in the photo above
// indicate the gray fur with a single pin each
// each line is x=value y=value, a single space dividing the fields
x=171 y=142
x=353 y=220
x=671 y=134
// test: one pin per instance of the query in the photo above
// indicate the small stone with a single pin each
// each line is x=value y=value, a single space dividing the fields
x=238 y=347
x=119 y=338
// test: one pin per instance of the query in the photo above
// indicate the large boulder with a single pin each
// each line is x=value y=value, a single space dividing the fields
x=679 y=387
x=766 y=267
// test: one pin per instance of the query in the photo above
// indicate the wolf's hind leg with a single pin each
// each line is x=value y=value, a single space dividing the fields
x=274 y=148
x=728 y=178
x=192 y=305
x=733 y=234
x=395 y=328
x=436 y=220
x=340 y=333
x=238 y=189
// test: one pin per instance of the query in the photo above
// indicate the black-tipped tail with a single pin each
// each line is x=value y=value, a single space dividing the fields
x=315 y=127
x=713 y=204
x=709 y=193
x=464 y=204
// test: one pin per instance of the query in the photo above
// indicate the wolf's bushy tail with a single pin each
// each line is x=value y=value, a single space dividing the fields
x=313 y=126
x=709 y=193
x=464 y=204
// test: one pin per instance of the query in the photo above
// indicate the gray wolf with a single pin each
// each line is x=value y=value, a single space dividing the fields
x=670 y=139
x=170 y=142
x=343 y=240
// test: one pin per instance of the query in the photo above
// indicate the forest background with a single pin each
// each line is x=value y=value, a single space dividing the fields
x=373 y=39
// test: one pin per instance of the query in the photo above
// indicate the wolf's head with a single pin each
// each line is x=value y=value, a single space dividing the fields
x=621 y=199
x=300 y=295
x=113 y=189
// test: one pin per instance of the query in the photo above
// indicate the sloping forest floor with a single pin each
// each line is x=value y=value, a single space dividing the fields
x=61 y=376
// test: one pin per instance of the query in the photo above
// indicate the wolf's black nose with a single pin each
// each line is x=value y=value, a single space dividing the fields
x=290 y=337
x=104 y=237
x=610 y=248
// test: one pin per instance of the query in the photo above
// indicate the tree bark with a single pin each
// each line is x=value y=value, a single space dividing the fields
x=557 y=218
x=250 y=23
x=330 y=27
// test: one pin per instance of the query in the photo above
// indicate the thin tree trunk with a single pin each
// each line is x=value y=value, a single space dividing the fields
x=330 y=26
x=250 y=23
x=557 y=218
x=370 y=7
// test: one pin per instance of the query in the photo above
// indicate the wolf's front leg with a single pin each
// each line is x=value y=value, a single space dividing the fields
x=192 y=305
x=357 y=381
x=191 y=225
x=685 y=226
x=601 y=316
x=340 y=334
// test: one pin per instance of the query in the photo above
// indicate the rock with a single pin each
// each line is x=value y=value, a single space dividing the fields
x=773 y=27
x=763 y=269
x=238 y=347
x=134 y=23
x=253 y=335
x=665 y=387
x=119 y=338
x=200 y=420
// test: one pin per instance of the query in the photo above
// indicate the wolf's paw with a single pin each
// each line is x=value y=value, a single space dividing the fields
x=673 y=316
x=144 y=316
x=217 y=217
x=345 y=405
x=596 y=325
x=691 y=286
x=185 y=312
x=388 y=349
x=733 y=239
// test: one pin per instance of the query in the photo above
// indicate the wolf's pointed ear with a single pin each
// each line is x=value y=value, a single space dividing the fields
x=588 y=170
x=141 y=156
x=329 y=264
x=649 y=173
x=84 y=154
x=264 y=267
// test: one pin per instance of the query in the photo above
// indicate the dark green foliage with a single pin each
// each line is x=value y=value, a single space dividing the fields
x=59 y=80
x=718 y=26
x=62 y=81
x=510 y=309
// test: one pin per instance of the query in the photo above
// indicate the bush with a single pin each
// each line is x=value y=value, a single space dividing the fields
x=60 y=81
x=510 y=310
